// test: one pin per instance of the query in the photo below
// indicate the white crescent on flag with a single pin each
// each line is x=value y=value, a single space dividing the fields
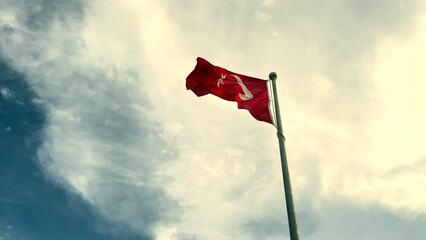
x=247 y=94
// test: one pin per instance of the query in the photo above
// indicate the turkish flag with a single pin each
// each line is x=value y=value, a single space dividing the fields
x=250 y=93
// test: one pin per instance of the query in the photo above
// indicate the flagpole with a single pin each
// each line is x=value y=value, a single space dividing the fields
x=292 y=224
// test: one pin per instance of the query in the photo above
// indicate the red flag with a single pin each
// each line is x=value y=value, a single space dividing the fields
x=250 y=93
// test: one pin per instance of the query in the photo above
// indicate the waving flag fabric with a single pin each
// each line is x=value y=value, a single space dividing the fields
x=250 y=93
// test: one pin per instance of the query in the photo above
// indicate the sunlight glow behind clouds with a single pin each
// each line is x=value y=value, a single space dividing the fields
x=268 y=3
x=396 y=135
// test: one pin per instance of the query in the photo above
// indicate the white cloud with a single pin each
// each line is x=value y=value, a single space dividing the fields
x=268 y=3
x=396 y=155
x=382 y=163
x=263 y=16
x=6 y=93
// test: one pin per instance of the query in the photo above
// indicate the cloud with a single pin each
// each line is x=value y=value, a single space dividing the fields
x=395 y=152
x=373 y=222
x=6 y=93
x=30 y=203
x=125 y=133
x=268 y=3
x=100 y=139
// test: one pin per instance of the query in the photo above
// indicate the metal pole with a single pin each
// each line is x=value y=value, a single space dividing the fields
x=292 y=224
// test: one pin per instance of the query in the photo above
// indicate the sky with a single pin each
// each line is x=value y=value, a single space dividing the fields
x=100 y=139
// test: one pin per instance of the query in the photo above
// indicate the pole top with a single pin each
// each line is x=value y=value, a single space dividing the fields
x=273 y=76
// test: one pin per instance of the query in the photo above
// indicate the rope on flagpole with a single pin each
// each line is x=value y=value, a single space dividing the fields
x=291 y=215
